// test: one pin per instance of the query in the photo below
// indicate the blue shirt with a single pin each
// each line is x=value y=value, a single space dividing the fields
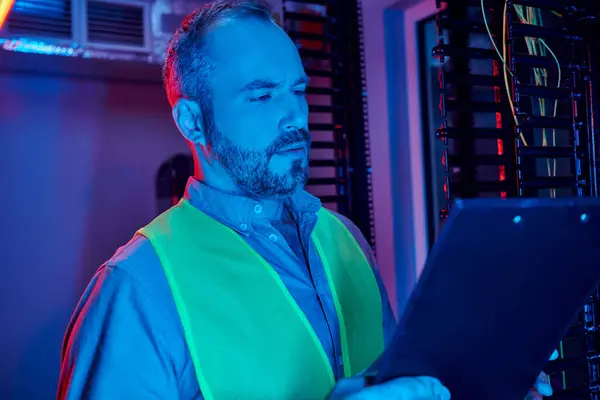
x=125 y=339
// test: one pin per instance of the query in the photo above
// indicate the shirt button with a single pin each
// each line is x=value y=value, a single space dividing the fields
x=258 y=208
x=273 y=237
x=243 y=227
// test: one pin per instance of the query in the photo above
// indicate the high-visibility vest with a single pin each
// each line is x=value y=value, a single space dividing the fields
x=247 y=337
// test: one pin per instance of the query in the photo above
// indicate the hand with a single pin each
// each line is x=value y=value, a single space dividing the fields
x=419 y=388
x=540 y=389
x=542 y=385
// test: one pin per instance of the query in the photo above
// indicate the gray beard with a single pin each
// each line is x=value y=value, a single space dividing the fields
x=250 y=169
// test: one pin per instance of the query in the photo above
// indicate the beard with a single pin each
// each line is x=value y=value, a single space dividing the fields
x=250 y=168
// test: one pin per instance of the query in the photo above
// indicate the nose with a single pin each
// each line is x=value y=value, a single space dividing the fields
x=295 y=114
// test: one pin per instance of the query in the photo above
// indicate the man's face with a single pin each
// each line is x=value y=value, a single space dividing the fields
x=260 y=128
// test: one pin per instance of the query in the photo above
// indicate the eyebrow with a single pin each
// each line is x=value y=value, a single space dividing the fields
x=258 y=84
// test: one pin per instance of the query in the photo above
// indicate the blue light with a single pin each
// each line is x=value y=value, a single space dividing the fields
x=37 y=47
x=23 y=45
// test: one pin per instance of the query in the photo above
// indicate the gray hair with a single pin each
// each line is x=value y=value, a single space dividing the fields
x=188 y=63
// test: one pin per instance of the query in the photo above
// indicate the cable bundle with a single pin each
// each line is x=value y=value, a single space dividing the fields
x=519 y=110
x=538 y=79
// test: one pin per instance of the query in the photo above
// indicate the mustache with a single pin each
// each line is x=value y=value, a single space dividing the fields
x=290 y=138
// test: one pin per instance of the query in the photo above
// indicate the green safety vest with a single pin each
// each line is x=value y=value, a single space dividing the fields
x=247 y=337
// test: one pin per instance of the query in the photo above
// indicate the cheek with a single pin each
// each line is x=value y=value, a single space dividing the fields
x=252 y=129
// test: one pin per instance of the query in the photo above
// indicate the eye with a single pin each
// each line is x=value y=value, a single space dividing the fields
x=300 y=92
x=261 y=99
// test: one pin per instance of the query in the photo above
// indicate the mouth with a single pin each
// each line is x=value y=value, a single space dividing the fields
x=297 y=148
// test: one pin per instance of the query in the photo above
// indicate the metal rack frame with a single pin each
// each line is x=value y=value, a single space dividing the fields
x=343 y=49
x=516 y=158
x=577 y=30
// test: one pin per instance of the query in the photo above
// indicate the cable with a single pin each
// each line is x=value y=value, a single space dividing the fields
x=541 y=76
x=502 y=60
x=487 y=28
x=504 y=70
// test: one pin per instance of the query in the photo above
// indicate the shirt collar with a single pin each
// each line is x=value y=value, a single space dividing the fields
x=239 y=212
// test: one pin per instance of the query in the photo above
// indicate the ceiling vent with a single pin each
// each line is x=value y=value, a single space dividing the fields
x=41 y=19
x=120 y=25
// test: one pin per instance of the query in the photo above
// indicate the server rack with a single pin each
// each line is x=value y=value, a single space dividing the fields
x=537 y=82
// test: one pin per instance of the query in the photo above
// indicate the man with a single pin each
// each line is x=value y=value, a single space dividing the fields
x=247 y=288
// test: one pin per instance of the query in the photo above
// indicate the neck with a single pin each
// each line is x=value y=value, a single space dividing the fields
x=211 y=173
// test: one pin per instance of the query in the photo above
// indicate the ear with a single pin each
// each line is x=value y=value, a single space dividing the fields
x=188 y=117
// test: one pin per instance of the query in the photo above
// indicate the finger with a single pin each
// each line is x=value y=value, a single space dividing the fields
x=442 y=393
x=554 y=355
x=542 y=385
x=426 y=387
x=406 y=388
x=534 y=395
x=422 y=386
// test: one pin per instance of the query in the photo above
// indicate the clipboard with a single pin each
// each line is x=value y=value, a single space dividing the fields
x=501 y=287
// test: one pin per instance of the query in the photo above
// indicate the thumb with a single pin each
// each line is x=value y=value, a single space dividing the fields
x=542 y=385
x=422 y=387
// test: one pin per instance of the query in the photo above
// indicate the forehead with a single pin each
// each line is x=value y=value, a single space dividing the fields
x=245 y=50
